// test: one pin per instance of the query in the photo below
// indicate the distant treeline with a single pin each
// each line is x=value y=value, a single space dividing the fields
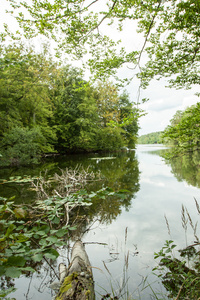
x=183 y=133
x=151 y=138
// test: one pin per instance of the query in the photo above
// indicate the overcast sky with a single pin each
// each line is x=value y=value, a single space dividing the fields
x=163 y=102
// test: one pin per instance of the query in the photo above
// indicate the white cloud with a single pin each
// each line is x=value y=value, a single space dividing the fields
x=163 y=104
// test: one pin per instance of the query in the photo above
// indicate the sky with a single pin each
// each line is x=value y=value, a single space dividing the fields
x=163 y=102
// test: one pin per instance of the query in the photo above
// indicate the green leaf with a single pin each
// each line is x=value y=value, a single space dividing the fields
x=10 y=229
x=52 y=239
x=6 y=292
x=92 y=195
x=72 y=228
x=173 y=246
x=37 y=257
x=44 y=243
x=36 y=236
x=13 y=272
x=61 y=232
x=51 y=254
x=42 y=233
x=28 y=269
x=56 y=220
x=22 y=238
x=16 y=261
x=168 y=250
x=2 y=270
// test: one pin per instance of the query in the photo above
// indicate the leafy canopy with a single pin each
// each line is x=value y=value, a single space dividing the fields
x=184 y=130
x=170 y=29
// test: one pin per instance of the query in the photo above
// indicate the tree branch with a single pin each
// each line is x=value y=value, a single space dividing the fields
x=148 y=32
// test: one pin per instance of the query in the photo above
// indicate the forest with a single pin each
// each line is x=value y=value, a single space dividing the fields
x=50 y=109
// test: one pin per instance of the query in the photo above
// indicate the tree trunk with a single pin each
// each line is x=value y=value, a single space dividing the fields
x=76 y=281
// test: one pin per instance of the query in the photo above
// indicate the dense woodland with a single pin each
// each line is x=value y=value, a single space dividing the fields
x=47 y=108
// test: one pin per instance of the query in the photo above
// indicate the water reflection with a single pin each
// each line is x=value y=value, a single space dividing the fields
x=185 y=167
x=156 y=189
x=121 y=172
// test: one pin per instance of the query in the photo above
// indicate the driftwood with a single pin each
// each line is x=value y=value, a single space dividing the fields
x=76 y=281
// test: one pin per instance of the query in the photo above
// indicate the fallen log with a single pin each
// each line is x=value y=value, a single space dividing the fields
x=76 y=281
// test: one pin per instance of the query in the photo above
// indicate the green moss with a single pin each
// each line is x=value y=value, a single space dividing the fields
x=87 y=293
x=66 y=285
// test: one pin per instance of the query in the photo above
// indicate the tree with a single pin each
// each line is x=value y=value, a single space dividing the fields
x=174 y=42
x=170 y=29
x=75 y=112
x=26 y=78
x=118 y=118
x=25 y=82
x=185 y=129
x=129 y=116
x=22 y=146
x=151 y=138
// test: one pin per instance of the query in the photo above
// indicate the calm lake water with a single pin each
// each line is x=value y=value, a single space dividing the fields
x=132 y=228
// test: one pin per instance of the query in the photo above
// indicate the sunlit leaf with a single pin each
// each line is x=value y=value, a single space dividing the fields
x=52 y=239
x=37 y=257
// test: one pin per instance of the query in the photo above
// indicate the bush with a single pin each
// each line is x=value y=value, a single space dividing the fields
x=21 y=146
x=110 y=139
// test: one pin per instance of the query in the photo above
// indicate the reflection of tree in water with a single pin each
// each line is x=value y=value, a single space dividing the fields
x=118 y=173
x=121 y=173
x=186 y=167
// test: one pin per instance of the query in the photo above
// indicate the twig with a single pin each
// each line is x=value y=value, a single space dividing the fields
x=98 y=243
x=46 y=260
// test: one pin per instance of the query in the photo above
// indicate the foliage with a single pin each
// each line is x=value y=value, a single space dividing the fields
x=173 y=33
x=180 y=276
x=22 y=146
x=184 y=132
x=25 y=79
x=170 y=30
x=46 y=108
x=179 y=280
x=75 y=116
x=118 y=118
x=151 y=138
x=31 y=233
x=25 y=104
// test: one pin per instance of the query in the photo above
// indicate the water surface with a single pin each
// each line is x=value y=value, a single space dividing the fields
x=132 y=228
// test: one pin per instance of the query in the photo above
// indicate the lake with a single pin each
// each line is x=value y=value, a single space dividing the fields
x=122 y=235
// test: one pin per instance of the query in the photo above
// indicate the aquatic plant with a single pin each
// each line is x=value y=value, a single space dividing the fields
x=180 y=272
